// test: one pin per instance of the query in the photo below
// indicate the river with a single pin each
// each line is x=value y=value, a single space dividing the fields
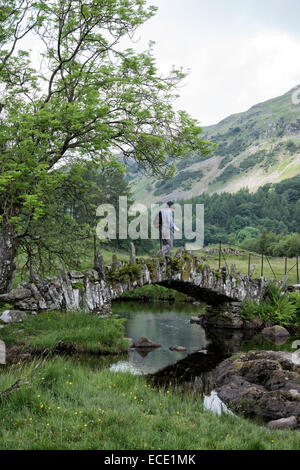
x=169 y=325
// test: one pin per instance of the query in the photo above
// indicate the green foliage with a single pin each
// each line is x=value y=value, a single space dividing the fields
x=246 y=233
x=253 y=160
x=295 y=300
x=241 y=216
x=229 y=172
x=200 y=268
x=83 y=331
x=176 y=264
x=91 y=98
x=275 y=245
x=151 y=265
x=155 y=293
x=249 y=310
x=126 y=272
x=277 y=307
x=235 y=356
x=77 y=285
x=230 y=147
x=183 y=180
x=6 y=306
x=225 y=161
x=191 y=159
x=292 y=147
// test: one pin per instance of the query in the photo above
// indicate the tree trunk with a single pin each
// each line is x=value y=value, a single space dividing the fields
x=8 y=251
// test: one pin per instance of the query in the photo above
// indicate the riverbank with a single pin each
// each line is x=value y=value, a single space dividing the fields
x=63 y=405
x=64 y=332
x=76 y=402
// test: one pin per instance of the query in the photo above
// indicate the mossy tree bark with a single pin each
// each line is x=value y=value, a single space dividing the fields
x=8 y=251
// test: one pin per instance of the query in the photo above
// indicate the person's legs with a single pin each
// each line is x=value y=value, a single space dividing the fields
x=167 y=245
x=171 y=240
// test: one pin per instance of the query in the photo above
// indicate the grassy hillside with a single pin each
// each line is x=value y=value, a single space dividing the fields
x=259 y=146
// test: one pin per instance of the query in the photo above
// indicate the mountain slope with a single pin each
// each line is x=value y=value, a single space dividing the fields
x=259 y=146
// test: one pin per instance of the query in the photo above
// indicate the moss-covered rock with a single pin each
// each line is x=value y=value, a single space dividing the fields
x=78 y=285
x=259 y=383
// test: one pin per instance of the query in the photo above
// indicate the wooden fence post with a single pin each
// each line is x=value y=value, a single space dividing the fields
x=249 y=262
x=220 y=252
x=297 y=263
x=262 y=265
x=285 y=266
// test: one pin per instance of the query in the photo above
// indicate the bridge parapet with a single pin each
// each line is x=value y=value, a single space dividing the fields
x=94 y=290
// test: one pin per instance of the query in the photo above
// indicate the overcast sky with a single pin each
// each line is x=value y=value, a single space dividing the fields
x=240 y=52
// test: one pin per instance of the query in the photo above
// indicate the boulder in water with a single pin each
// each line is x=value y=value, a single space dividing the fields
x=276 y=332
x=260 y=383
x=144 y=342
x=177 y=348
x=195 y=320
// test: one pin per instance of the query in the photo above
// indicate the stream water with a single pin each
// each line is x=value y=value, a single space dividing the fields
x=169 y=325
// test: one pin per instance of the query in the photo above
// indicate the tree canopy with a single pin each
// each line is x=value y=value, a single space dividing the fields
x=86 y=98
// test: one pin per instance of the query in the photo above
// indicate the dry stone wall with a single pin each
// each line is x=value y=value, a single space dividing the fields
x=94 y=290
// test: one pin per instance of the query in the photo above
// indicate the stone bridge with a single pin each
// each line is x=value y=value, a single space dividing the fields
x=94 y=290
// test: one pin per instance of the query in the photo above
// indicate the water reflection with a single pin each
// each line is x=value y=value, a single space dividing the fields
x=190 y=371
x=168 y=325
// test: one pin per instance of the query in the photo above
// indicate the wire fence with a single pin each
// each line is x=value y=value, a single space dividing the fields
x=279 y=268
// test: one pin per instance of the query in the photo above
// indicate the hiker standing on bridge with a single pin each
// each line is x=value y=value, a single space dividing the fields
x=166 y=228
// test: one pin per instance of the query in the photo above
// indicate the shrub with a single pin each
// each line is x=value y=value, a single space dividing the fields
x=229 y=172
x=295 y=300
x=249 y=310
x=277 y=307
x=125 y=273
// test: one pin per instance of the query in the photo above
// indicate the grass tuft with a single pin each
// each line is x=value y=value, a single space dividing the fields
x=83 y=331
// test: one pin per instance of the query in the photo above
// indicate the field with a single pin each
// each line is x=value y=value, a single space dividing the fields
x=241 y=263
x=63 y=404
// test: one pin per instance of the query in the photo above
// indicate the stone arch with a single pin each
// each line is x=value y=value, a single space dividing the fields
x=203 y=294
